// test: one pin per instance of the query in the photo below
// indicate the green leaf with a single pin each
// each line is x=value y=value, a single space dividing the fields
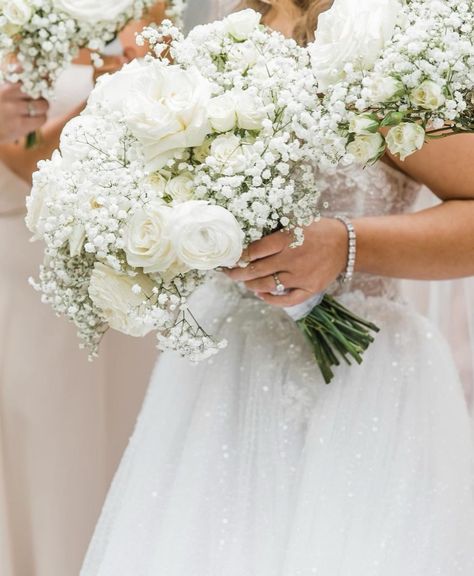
x=393 y=119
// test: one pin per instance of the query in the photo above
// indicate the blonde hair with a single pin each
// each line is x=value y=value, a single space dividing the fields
x=306 y=26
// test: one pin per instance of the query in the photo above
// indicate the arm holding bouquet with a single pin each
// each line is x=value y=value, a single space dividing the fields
x=436 y=244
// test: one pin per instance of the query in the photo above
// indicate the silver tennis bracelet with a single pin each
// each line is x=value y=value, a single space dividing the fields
x=348 y=274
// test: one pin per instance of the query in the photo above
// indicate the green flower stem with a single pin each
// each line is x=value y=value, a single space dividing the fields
x=335 y=333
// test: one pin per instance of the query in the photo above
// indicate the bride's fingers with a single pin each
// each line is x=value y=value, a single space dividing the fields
x=294 y=298
x=268 y=284
x=256 y=269
x=268 y=246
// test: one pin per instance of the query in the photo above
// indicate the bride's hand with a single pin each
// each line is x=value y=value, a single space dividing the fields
x=304 y=271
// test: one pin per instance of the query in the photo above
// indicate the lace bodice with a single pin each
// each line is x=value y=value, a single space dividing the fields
x=374 y=191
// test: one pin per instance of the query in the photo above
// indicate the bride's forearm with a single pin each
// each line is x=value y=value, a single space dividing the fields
x=435 y=244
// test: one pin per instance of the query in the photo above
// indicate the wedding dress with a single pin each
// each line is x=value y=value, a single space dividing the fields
x=249 y=465
x=64 y=422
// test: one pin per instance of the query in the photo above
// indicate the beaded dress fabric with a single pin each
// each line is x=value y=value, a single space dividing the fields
x=249 y=465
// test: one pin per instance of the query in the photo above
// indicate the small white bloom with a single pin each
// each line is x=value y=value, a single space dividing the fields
x=147 y=239
x=366 y=147
x=229 y=151
x=405 y=139
x=114 y=295
x=241 y=24
x=243 y=55
x=384 y=89
x=206 y=237
x=250 y=110
x=181 y=188
x=222 y=113
x=428 y=95
x=363 y=124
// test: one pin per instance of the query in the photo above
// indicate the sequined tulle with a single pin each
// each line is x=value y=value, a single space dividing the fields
x=249 y=465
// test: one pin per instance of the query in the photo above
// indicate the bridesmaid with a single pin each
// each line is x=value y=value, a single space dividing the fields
x=64 y=422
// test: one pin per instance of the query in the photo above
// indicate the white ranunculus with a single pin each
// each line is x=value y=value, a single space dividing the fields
x=147 y=238
x=93 y=10
x=181 y=188
x=229 y=151
x=241 y=24
x=351 y=32
x=17 y=12
x=166 y=110
x=363 y=124
x=250 y=110
x=366 y=147
x=205 y=236
x=222 y=115
x=383 y=89
x=428 y=95
x=405 y=139
x=112 y=292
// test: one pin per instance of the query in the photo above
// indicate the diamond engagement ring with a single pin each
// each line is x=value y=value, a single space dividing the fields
x=280 y=289
x=31 y=110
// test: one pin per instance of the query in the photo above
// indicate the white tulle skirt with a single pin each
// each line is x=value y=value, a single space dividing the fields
x=249 y=465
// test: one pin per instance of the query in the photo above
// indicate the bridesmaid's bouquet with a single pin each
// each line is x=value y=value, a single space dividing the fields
x=177 y=164
x=40 y=38
x=404 y=68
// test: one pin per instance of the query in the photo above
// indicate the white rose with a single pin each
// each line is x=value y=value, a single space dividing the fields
x=405 y=139
x=93 y=11
x=351 y=32
x=366 y=147
x=111 y=88
x=383 y=89
x=17 y=12
x=229 y=151
x=166 y=109
x=428 y=95
x=147 y=239
x=240 y=25
x=181 y=188
x=250 y=110
x=363 y=124
x=112 y=292
x=206 y=237
x=222 y=115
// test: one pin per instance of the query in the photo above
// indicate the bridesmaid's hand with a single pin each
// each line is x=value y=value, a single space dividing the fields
x=19 y=114
x=305 y=270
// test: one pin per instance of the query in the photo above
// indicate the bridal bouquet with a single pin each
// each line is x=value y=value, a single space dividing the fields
x=176 y=165
x=403 y=66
